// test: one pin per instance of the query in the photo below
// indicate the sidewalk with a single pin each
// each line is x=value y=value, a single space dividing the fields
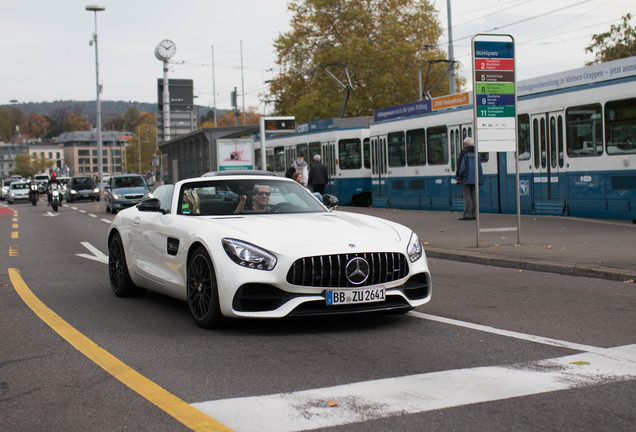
x=581 y=247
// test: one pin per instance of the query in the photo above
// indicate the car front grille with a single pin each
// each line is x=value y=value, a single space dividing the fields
x=329 y=271
x=134 y=196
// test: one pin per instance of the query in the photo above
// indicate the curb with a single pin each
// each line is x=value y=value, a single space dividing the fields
x=571 y=269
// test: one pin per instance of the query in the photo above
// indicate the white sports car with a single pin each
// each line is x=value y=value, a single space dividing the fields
x=262 y=246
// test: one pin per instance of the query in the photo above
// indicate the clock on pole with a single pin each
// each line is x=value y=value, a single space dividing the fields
x=165 y=50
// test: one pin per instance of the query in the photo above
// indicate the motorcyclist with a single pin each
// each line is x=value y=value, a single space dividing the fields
x=33 y=189
x=53 y=183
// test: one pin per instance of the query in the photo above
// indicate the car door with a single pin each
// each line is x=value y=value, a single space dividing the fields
x=158 y=249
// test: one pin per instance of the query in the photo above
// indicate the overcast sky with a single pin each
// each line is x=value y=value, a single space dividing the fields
x=47 y=56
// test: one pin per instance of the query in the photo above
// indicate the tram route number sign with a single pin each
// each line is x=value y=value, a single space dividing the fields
x=494 y=89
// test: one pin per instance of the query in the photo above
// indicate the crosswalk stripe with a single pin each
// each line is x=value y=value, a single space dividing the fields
x=370 y=400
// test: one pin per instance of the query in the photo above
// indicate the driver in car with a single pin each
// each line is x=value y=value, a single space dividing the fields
x=260 y=202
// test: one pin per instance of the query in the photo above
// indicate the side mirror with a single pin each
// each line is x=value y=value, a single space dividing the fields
x=150 y=205
x=330 y=201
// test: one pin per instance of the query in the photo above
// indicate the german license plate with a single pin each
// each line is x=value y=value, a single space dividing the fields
x=353 y=296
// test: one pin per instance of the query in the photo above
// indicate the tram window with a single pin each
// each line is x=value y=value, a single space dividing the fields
x=544 y=156
x=366 y=151
x=396 y=149
x=279 y=158
x=302 y=148
x=620 y=126
x=416 y=147
x=453 y=149
x=349 y=153
x=584 y=131
x=437 y=149
x=553 y=143
x=560 y=141
x=523 y=137
x=535 y=134
x=270 y=160
x=257 y=159
x=314 y=149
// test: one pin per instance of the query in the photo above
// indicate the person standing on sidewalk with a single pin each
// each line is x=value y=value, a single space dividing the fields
x=318 y=175
x=467 y=179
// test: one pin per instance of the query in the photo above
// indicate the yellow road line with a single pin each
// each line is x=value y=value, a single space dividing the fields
x=14 y=234
x=14 y=226
x=175 y=407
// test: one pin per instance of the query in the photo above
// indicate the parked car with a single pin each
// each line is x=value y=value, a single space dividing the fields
x=239 y=246
x=82 y=187
x=126 y=190
x=18 y=190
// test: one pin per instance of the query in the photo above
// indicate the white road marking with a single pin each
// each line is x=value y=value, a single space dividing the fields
x=370 y=400
x=508 y=333
x=82 y=211
x=92 y=215
x=108 y=221
x=97 y=254
x=50 y=214
x=74 y=208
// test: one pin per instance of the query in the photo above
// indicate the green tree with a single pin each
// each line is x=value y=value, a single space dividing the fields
x=378 y=44
x=619 y=42
x=131 y=118
x=28 y=166
x=11 y=123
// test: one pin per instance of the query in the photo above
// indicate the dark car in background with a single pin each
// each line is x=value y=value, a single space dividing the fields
x=126 y=190
x=82 y=187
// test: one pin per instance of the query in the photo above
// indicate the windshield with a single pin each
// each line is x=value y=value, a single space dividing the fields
x=132 y=181
x=83 y=181
x=254 y=196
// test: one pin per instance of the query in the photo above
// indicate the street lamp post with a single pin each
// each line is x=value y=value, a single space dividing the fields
x=100 y=163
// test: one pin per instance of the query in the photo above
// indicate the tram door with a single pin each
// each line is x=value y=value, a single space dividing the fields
x=329 y=159
x=547 y=143
x=456 y=135
x=379 y=185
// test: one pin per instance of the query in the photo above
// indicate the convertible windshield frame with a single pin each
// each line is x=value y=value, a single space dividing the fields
x=222 y=197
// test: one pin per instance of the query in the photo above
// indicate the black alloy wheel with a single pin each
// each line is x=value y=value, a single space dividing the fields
x=120 y=281
x=203 y=296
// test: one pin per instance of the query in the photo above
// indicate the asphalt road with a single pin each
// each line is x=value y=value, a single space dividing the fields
x=496 y=349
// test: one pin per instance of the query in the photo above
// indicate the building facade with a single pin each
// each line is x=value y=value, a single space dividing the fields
x=8 y=152
x=80 y=151
x=53 y=152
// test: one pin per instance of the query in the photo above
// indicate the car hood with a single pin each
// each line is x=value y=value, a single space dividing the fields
x=318 y=233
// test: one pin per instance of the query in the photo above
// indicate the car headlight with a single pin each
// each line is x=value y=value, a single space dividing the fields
x=96 y=190
x=414 y=249
x=73 y=191
x=248 y=255
x=116 y=196
x=148 y=195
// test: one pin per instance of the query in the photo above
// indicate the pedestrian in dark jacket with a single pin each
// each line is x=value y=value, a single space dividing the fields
x=318 y=175
x=466 y=177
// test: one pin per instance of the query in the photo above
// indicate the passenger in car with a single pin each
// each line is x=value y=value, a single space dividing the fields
x=190 y=203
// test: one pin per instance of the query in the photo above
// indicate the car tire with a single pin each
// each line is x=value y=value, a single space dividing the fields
x=120 y=281
x=202 y=291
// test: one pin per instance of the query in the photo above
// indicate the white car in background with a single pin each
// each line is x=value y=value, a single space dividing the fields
x=204 y=241
x=18 y=190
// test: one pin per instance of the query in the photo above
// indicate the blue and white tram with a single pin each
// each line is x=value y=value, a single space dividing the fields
x=344 y=147
x=576 y=140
